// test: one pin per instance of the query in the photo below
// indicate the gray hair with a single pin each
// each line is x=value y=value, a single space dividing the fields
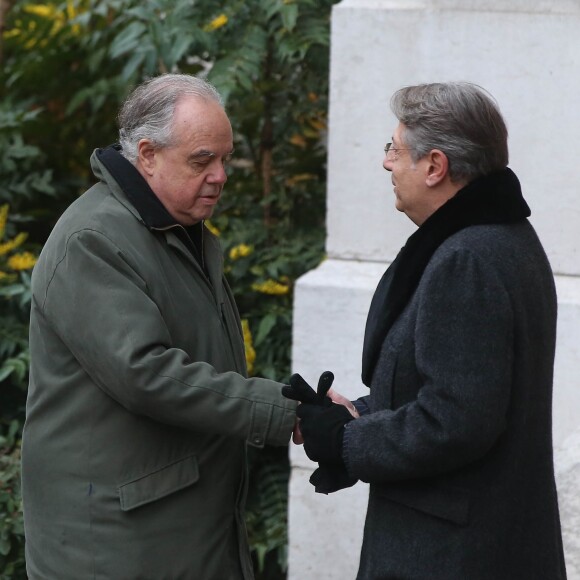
x=148 y=111
x=461 y=119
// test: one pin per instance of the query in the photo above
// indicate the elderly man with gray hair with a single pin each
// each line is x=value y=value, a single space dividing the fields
x=455 y=436
x=139 y=408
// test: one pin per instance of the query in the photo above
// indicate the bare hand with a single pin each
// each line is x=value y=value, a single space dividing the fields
x=297 y=434
x=342 y=400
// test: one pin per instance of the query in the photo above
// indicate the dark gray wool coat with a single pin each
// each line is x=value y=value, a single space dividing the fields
x=457 y=446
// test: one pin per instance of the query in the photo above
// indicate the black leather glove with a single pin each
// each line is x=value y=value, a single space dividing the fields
x=329 y=478
x=300 y=390
x=323 y=430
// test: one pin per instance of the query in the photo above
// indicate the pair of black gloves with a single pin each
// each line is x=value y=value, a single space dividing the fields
x=322 y=426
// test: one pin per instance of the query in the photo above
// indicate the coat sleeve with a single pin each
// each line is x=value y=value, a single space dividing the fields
x=464 y=352
x=100 y=308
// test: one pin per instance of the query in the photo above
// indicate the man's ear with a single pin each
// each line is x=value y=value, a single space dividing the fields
x=146 y=156
x=437 y=168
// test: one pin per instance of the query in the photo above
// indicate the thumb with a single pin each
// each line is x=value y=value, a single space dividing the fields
x=324 y=383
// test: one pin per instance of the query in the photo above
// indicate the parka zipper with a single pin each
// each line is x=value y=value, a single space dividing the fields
x=191 y=246
x=221 y=307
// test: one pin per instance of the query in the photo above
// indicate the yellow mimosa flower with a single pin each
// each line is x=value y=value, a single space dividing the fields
x=240 y=251
x=249 y=347
x=13 y=243
x=216 y=23
x=211 y=228
x=271 y=287
x=3 y=218
x=298 y=140
x=22 y=261
x=41 y=10
x=11 y=33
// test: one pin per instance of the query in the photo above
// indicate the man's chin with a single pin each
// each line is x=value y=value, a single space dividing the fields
x=191 y=220
x=206 y=214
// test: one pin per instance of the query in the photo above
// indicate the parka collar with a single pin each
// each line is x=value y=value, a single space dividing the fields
x=146 y=203
x=133 y=184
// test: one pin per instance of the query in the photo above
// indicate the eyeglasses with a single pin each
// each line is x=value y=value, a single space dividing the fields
x=389 y=147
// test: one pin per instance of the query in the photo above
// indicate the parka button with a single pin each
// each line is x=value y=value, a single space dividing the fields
x=257 y=440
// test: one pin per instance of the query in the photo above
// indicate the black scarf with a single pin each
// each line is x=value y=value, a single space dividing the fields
x=493 y=199
x=150 y=208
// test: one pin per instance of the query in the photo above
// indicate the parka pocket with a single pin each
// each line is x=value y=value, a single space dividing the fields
x=159 y=484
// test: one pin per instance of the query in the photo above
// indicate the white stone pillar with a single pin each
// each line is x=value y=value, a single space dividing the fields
x=526 y=53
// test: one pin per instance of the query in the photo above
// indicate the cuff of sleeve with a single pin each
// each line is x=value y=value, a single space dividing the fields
x=361 y=406
x=272 y=424
x=345 y=440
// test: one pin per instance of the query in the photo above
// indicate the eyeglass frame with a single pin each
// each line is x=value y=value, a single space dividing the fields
x=389 y=147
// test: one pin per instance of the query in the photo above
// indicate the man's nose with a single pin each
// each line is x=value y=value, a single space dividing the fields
x=218 y=174
x=387 y=164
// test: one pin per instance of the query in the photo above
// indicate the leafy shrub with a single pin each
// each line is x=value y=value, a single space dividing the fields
x=15 y=266
x=270 y=62
x=11 y=525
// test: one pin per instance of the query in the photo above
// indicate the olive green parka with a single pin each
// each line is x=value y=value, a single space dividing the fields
x=139 y=410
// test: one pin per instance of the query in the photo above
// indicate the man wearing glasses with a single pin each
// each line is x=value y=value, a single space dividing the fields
x=455 y=435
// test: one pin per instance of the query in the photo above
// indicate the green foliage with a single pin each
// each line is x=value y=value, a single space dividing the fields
x=19 y=177
x=267 y=499
x=11 y=525
x=15 y=266
x=262 y=282
x=14 y=359
x=23 y=177
x=66 y=68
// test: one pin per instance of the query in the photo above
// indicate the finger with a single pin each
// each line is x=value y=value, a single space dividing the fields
x=324 y=383
x=300 y=386
x=290 y=393
x=299 y=390
x=297 y=438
